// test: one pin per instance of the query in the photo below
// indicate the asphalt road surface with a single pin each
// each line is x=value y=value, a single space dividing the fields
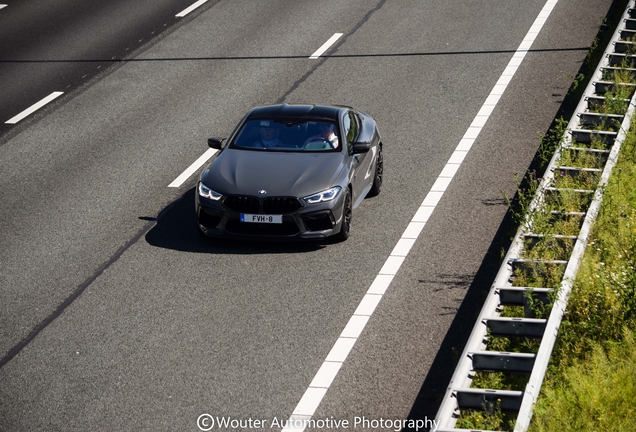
x=115 y=315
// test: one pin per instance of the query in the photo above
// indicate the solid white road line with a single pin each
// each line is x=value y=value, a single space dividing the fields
x=326 y=46
x=34 y=108
x=192 y=168
x=190 y=9
x=318 y=387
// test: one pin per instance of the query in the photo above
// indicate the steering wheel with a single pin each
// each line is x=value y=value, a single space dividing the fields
x=318 y=140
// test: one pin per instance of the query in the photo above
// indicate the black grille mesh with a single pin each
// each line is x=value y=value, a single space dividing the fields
x=280 y=205
x=244 y=204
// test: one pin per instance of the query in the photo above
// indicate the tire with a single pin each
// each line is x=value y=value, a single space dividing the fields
x=379 y=172
x=345 y=227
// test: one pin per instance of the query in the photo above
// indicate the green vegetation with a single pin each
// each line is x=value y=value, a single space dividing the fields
x=591 y=381
x=592 y=394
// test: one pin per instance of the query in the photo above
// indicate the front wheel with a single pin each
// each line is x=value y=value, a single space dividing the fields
x=345 y=228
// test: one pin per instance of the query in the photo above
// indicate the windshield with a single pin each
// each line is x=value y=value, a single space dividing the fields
x=267 y=134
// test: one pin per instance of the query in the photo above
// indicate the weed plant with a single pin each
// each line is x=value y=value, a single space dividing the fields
x=617 y=100
x=568 y=200
x=619 y=75
x=548 y=248
x=512 y=311
x=539 y=309
x=584 y=159
x=519 y=345
x=576 y=179
x=491 y=417
x=556 y=221
x=520 y=205
x=539 y=275
x=604 y=124
x=501 y=381
x=550 y=142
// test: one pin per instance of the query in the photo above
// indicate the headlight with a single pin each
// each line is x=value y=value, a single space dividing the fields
x=323 y=196
x=206 y=192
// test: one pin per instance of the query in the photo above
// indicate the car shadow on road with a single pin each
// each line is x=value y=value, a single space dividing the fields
x=176 y=229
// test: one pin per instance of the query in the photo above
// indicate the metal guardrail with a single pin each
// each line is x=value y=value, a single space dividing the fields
x=589 y=132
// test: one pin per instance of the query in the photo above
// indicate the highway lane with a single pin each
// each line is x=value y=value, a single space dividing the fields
x=175 y=327
x=57 y=46
x=451 y=268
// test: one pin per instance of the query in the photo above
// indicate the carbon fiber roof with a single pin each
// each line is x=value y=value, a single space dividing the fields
x=296 y=111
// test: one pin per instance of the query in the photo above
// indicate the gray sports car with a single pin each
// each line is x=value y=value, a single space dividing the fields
x=290 y=172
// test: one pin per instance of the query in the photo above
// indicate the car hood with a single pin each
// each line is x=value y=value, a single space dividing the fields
x=246 y=172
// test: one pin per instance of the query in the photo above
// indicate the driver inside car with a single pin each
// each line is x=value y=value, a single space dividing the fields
x=326 y=135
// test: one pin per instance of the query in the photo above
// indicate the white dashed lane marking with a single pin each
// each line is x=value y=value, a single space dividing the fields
x=193 y=168
x=320 y=51
x=190 y=9
x=33 y=108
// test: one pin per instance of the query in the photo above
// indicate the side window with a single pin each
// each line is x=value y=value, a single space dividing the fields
x=351 y=128
x=346 y=126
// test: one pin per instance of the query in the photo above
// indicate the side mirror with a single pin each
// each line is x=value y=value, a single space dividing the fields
x=216 y=143
x=360 y=147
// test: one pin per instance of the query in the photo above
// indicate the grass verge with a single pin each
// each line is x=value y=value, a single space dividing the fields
x=591 y=380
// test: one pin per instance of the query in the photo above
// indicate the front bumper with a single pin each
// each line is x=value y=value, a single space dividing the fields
x=309 y=222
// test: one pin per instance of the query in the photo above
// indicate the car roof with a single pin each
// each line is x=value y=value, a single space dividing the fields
x=297 y=111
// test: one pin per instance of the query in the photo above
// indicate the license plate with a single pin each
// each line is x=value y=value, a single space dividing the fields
x=262 y=218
